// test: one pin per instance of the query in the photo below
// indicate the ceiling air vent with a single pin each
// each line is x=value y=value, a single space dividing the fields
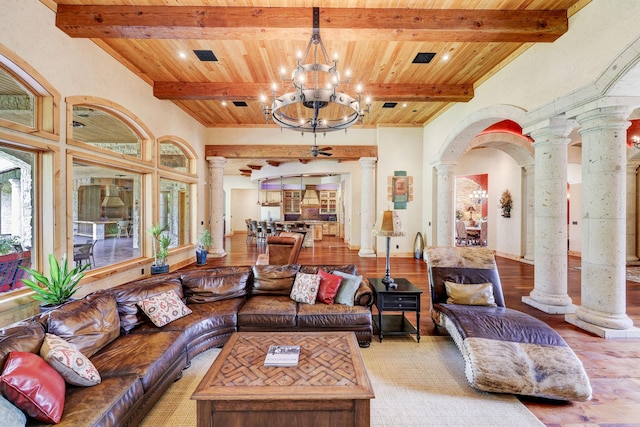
x=240 y=103
x=423 y=57
x=205 y=55
x=389 y=105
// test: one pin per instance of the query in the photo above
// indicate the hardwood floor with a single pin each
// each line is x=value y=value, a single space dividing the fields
x=613 y=365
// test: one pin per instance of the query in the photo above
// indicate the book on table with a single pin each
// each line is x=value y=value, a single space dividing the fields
x=282 y=355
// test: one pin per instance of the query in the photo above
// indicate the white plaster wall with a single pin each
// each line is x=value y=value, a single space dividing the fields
x=400 y=149
x=504 y=234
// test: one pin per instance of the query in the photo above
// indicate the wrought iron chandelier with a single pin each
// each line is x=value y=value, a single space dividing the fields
x=315 y=105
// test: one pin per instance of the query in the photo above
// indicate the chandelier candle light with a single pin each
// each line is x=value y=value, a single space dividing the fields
x=316 y=89
x=388 y=225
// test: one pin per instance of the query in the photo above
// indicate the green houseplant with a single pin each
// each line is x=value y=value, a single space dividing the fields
x=204 y=243
x=161 y=243
x=61 y=284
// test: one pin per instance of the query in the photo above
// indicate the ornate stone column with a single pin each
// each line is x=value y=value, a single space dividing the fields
x=529 y=172
x=632 y=209
x=603 y=299
x=216 y=190
x=367 y=206
x=445 y=232
x=550 y=218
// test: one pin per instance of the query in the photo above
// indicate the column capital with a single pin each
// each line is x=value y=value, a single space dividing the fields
x=554 y=130
x=444 y=168
x=216 y=161
x=612 y=118
x=367 y=162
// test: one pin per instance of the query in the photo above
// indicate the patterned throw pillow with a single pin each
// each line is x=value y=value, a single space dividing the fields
x=305 y=288
x=347 y=292
x=164 y=308
x=329 y=285
x=65 y=358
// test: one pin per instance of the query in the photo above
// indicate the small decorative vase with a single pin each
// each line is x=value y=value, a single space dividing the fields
x=201 y=257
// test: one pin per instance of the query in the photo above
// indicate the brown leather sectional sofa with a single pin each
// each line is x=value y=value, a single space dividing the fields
x=138 y=361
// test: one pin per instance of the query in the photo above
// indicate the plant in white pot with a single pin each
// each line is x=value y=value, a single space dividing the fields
x=161 y=243
x=204 y=243
x=61 y=284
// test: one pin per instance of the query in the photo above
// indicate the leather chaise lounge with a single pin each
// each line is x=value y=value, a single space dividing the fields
x=504 y=350
x=137 y=361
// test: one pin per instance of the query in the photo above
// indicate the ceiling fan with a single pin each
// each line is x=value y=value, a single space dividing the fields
x=315 y=150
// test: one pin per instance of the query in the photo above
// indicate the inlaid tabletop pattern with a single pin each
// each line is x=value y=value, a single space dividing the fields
x=325 y=360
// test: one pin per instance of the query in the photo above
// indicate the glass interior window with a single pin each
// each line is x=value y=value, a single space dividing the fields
x=103 y=130
x=175 y=208
x=106 y=212
x=17 y=213
x=16 y=103
x=172 y=156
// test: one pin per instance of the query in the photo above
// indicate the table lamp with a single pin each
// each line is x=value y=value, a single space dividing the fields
x=388 y=225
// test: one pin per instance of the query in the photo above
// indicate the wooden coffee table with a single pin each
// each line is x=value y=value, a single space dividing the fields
x=329 y=387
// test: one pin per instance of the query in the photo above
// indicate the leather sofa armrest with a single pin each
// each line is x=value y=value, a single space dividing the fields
x=364 y=294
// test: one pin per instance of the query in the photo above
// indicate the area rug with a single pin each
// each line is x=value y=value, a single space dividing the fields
x=416 y=384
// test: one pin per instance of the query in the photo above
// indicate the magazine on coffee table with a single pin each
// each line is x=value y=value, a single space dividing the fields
x=282 y=355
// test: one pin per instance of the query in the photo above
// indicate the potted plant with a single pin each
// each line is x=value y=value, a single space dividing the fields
x=204 y=243
x=161 y=242
x=506 y=203
x=61 y=284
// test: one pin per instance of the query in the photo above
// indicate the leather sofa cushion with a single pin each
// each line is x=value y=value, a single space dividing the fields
x=24 y=336
x=127 y=295
x=345 y=268
x=213 y=285
x=105 y=404
x=89 y=323
x=205 y=318
x=150 y=356
x=273 y=279
x=499 y=323
x=268 y=312
x=332 y=316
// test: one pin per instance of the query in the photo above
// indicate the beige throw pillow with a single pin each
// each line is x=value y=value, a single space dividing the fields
x=468 y=294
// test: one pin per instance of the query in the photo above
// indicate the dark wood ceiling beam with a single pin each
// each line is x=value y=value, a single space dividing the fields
x=211 y=22
x=252 y=91
x=287 y=152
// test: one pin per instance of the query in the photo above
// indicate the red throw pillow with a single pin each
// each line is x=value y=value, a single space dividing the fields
x=33 y=386
x=329 y=284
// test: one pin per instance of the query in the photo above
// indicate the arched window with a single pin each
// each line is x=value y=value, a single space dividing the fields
x=107 y=181
x=28 y=113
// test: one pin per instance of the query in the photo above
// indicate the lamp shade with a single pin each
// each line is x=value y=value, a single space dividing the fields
x=388 y=224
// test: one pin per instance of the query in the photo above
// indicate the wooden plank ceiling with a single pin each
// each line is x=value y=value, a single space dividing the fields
x=376 y=40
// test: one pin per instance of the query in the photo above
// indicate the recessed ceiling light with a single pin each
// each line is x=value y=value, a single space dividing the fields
x=445 y=57
x=205 y=55
x=182 y=55
x=423 y=57
x=224 y=103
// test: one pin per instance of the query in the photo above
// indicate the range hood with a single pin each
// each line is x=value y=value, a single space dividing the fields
x=310 y=197
x=112 y=198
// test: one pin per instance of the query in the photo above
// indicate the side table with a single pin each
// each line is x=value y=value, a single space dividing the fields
x=406 y=297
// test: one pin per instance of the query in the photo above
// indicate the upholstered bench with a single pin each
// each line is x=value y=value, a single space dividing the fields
x=505 y=350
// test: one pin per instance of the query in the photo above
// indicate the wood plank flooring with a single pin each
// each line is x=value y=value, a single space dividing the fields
x=613 y=366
